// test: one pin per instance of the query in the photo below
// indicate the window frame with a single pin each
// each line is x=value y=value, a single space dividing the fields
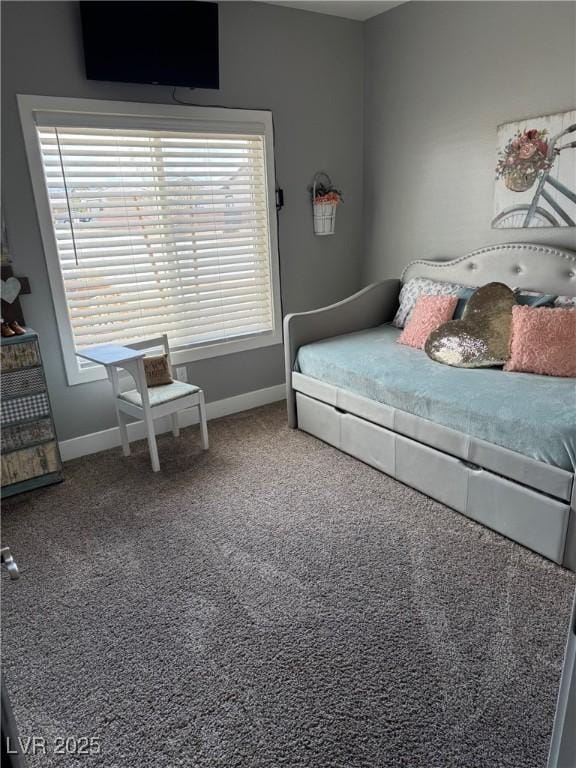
x=218 y=119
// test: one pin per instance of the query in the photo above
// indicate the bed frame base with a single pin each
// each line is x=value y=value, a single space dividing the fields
x=533 y=519
x=528 y=501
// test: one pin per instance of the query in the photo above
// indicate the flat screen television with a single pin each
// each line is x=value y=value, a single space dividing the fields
x=165 y=43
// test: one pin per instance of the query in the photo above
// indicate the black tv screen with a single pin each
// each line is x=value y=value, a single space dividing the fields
x=165 y=43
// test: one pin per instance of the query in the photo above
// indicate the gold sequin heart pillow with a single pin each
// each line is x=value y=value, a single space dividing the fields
x=481 y=338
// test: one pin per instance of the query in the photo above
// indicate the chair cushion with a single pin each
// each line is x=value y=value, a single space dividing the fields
x=162 y=394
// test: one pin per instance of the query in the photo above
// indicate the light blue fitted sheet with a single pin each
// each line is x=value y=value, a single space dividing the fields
x=532 y=415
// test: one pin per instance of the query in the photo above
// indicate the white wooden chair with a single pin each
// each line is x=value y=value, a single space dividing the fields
x=152 y=403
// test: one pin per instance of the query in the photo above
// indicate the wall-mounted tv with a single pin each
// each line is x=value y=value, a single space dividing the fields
x=165 y=43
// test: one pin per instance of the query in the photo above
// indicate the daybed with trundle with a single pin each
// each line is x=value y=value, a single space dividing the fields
x=496 y=446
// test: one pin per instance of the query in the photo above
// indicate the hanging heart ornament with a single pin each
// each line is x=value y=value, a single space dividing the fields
x=9 y=289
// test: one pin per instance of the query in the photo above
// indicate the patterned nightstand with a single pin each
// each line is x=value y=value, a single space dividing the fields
x=30 y=455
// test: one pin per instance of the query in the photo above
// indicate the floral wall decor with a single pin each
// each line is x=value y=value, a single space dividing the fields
x=536 y=173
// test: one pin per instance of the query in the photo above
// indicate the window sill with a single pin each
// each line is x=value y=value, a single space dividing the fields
x=185 y=355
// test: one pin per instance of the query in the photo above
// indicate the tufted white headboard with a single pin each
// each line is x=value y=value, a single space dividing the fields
x=518 y=265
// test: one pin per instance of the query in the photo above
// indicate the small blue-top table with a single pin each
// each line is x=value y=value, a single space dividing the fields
x=110 y=354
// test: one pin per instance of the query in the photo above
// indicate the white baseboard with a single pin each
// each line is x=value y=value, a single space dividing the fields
x=110 y=438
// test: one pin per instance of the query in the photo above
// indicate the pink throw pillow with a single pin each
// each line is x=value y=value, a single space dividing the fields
x=543 y=341
x=429 y=313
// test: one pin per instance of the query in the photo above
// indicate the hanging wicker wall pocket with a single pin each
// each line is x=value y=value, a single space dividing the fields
x=325 y=201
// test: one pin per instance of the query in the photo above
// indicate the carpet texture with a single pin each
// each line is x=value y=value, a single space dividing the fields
x=274 y=603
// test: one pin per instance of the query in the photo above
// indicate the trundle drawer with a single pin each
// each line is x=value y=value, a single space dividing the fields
x=535 y=520
x=361 y=439
x=436 y=474
x=318 y=419
x=529 y=518
x=425 y=469
x=368 y=442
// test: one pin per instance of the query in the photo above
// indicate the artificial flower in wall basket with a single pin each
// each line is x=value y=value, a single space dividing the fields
x=522 y=159
x=325 y=200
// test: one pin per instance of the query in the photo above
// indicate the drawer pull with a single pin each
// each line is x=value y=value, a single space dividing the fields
x=471 y=466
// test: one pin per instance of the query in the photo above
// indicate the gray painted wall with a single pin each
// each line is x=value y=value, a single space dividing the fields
x=305 y=67
x=439 y=78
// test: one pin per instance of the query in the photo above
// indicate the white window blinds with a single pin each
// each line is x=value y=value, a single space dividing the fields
x=160 y=231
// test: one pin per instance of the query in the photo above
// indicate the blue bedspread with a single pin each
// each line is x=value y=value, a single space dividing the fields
x=533 y=415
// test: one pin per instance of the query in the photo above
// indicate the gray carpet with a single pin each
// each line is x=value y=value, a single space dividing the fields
x=274 y=603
